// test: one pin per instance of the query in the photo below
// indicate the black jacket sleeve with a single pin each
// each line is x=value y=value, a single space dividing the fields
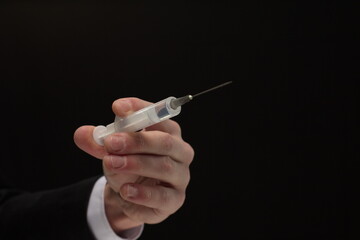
x=54 y=214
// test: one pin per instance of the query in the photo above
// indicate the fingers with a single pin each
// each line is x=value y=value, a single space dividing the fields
x=168 y=126
x=83 y=138
x=125 y=106
x=162 y=168
x=161 y=199
x=152 y=142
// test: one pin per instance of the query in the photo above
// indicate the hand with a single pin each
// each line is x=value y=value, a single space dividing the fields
x=147 y=172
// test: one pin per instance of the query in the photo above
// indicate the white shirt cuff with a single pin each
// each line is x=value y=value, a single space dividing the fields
x=97 y=220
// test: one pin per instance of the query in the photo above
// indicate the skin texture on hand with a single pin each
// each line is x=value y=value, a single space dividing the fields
x=147 y=172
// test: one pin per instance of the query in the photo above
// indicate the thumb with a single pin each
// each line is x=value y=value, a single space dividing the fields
x=83 y=138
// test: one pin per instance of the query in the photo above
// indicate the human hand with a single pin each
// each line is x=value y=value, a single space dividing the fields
x=147 y=172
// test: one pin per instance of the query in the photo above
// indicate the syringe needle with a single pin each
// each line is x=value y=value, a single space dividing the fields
x=182 y=100
x=212 y=89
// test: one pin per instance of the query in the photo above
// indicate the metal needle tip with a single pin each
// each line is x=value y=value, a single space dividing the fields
x=182 y=100
x=213 y=88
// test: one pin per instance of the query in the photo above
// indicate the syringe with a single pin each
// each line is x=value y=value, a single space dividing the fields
x=150 y=115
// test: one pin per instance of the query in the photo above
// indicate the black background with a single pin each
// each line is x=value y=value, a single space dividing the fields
x=275 y=151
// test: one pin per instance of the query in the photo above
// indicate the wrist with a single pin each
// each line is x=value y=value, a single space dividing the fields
x=114 y=205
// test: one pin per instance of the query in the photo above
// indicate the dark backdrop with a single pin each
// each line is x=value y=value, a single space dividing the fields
x=275 y=151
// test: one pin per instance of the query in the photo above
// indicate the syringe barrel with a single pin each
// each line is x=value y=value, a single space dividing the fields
x=140 y=119
x=146 y=117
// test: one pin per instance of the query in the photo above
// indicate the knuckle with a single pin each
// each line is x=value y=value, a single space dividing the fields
x=139 y=140
x=134 y=164
x=186 y=177
x=167 y=165
x=190 y=153
x=148 y=195
x=164 y=196
x=167 y=142
x=176 y=127
x=106 y=163
x=114 y=104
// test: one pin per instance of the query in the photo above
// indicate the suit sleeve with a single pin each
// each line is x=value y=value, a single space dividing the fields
x=54 y=214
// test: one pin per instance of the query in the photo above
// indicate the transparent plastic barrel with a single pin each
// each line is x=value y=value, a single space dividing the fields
x=141 y=119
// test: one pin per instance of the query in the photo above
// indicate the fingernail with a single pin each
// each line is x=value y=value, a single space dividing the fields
x=117 y=161
x=117 y=143
x=131 y=191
